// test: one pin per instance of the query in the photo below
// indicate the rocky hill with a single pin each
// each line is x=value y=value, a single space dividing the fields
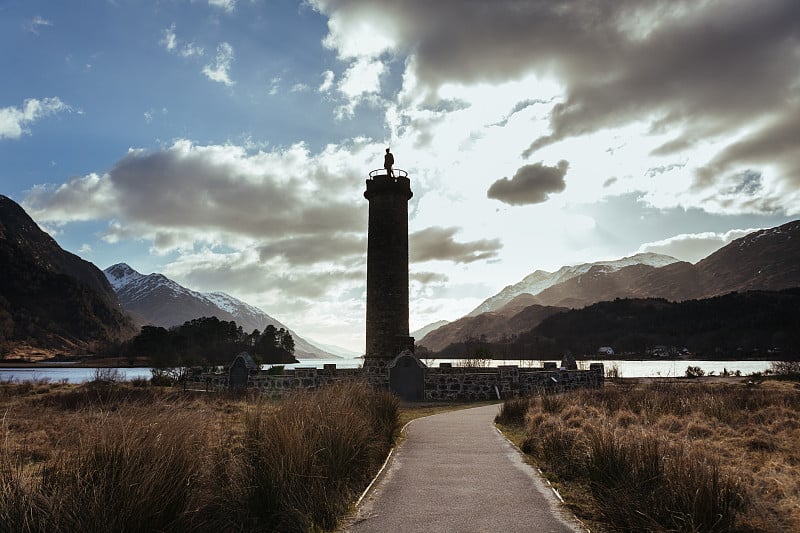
x=49 y=298
x=156 y=300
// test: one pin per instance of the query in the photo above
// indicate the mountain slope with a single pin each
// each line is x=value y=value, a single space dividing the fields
x=495 y=326
x=160 y=301
x=424 y=330
x=50 y=298
x=766 y=260
x=541 y=280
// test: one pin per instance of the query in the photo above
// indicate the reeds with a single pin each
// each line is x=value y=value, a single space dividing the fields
x=670 y=457
x=136 y=459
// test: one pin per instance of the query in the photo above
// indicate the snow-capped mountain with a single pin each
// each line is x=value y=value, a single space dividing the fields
x=155 y=299
x=541 y=280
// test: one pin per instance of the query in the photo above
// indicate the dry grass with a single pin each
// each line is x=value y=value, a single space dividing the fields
x=123 y=458
x=670 y=456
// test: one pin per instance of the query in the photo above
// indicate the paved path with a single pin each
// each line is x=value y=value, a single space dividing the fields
x=455 y=473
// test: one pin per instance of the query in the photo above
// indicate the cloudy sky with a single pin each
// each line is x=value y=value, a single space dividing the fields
x=225 y=143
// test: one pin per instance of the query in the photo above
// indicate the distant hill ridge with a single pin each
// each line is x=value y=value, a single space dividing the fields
x=541 y=280
x=157 y=300
x=763 y=260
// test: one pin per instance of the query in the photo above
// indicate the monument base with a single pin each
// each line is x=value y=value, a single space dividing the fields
x=376 y=365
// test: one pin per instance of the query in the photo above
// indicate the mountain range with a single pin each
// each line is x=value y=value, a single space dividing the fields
x=156 y=300
x=763 y=260
x=51 y=301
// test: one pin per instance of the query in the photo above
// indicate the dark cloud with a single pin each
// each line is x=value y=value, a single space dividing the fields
x=698 y=70
x=776 y=143
x=531 y=184
x=211 y=189
x=437 y=243
x=245 y=277
x=198 y=190
x=519 y=106
x=428 y=277
x=308 y=250
x=652 y=172
x=277 y=209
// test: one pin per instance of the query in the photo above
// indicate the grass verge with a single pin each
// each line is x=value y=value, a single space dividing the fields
x=668 y=456
x=121 y=458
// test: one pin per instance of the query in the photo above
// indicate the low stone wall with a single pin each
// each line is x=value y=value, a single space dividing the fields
x=278 y=385
x=443 y=383
x=474 y=384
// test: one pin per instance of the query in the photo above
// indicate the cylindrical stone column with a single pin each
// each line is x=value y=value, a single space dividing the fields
x=387 y=270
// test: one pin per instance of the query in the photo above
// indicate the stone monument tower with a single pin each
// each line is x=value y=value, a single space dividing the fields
x=387 y=269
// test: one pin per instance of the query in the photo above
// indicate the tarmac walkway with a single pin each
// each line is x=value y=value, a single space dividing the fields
x=454 y=472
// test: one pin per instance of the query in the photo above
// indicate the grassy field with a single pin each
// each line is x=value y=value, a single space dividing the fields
x=669 y=456
x=102 y=457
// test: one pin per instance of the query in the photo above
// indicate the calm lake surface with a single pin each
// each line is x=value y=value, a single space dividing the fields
x=627 y=369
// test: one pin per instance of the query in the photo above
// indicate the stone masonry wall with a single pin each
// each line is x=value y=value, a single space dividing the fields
x=445 y=383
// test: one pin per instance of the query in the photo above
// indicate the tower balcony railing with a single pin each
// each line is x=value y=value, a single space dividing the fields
x=381 y=173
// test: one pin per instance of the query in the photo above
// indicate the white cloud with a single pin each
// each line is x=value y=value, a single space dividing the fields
x=299 y=88
x=327 y=81
x=37 y=22
x=171 y=43
x=14 y=121
x=226 y=5
x=693 y=247
x=361 y=80
x=274 y=85
x=169 y=39
x=358 y=30
x=219 y=69
x=191 y=50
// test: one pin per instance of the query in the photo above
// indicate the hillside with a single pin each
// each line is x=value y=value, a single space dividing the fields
x=768 y=260
x=494 y=326
x=49 y=298
x=750 y=324
x=763 y=260
x=156 y=300
x=541 y=280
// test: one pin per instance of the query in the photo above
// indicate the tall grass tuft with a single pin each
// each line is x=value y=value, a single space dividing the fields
x=513 y=410
x=302 y=464
x=131 y=474
x=153 y=461
x=668 y=457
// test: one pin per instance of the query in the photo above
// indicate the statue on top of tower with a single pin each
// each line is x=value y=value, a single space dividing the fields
x=388 y=163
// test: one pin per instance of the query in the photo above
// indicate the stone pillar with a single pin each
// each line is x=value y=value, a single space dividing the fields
x=387 y=271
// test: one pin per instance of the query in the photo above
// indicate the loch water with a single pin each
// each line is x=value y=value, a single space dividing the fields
x=625 y=369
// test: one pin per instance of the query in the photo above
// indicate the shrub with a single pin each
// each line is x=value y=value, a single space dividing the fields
x=694 y=372
x=140 y=382
x=513 y=410
x=108 y=376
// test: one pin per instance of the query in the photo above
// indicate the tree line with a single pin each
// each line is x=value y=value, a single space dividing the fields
x=753 y=324
x=209 y=341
